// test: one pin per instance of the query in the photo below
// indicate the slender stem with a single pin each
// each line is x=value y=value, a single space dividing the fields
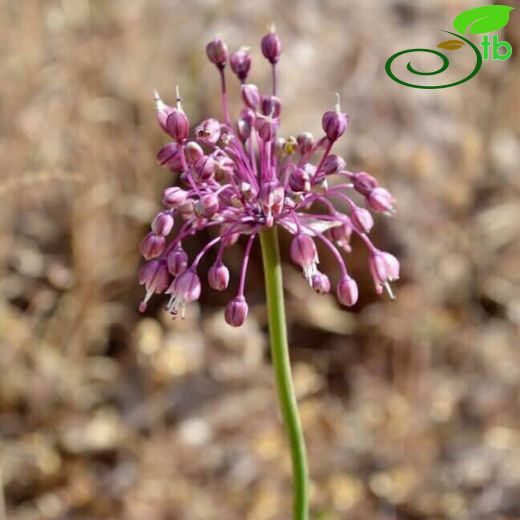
x=225 y=106
x=282 y=369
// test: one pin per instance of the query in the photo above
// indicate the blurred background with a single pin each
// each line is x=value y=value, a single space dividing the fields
x=410 y=408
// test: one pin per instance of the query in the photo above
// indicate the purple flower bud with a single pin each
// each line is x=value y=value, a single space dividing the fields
x=162 y=224
x=205 y=167
x=266 y=129
x=184 y=289
x=208 y=132
x=347 y=291
x=305 y=254
x=299 y=180
x=218 y=276
x=362 y=220
x=305 y=142
x=364 y=183
x=193 y=152
x=177 y=261
x=382 y=200
x=152 y=246
x=154 y=276
x=271 y=106
x=170 y=157
x=174 y=196
x=163 y=111
x=321 y=283
x=207 y=205
x=240 y=62
x=243 y=129
x=250 y=95
x=236 y=311
x=334 y=123
x=271 y=46
x=332 y=164
x=217 y=52
x=178 y=126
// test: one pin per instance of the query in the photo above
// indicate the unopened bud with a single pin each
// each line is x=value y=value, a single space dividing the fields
x=218 y=276
x=347 y=291
x=236 y=311
x=271 y=46
x=162 y=224
x=152 y=246
x=240 y=62
x=217 y=52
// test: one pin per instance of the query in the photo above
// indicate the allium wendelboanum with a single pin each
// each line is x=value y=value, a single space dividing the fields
x=241 y=177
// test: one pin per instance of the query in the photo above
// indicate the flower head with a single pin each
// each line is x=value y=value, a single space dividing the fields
x=242 y=177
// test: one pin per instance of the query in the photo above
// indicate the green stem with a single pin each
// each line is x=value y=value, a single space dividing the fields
x=282 y=369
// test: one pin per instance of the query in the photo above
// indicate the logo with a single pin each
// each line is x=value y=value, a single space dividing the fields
x=479 y=20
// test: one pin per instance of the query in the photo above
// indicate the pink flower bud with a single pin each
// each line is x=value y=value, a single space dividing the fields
x=271 y=46
x=382 y=200
x=299 y=180
x=217 y=52
x=236 y=311
x=177 y=261
x=362 y=220
x=208 y=132
x=243 y=129
x=152 y=246
x=305 y=142
x=347 y=291
x=271 y=106
x=205 y=167
x=240 y=62
x=334 y=124
x=266 y=129
x=178 y=126
x=321 y=283
x=170 y=157
x=193 y=152
x=207 y=205
x=250 y=95
x=163 y=111
x=162 y=224
x=364 y=183
x=218 y=276
x=174 y=196
x=332 y=164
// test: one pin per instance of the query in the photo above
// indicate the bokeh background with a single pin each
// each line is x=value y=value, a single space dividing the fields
x=410 y=408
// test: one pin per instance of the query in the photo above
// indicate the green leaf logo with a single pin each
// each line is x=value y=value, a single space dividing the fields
x=483 y=19
x=450 y=45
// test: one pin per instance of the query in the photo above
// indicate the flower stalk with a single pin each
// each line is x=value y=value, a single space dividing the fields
x=282 y=370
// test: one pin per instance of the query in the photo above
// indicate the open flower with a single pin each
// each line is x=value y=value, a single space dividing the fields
x=241 y=177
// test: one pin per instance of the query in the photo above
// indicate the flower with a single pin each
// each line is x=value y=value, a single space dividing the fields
x=240 y=178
